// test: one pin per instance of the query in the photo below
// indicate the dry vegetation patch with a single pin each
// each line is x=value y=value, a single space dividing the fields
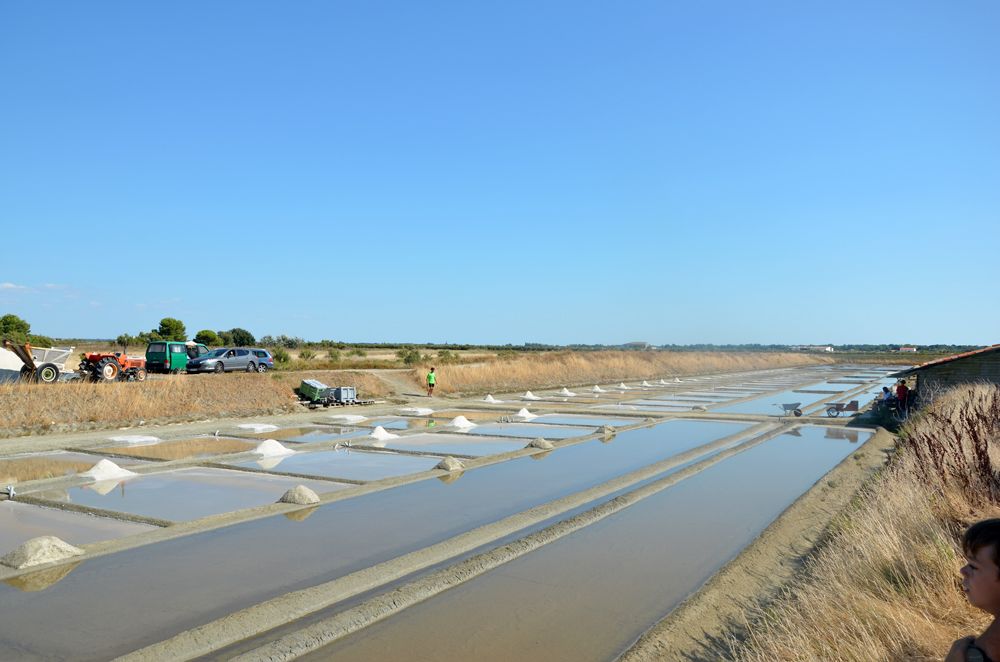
x=26 y=408
x=885 y=584
x=36 y=468
x=554 y=369
x=185 y=448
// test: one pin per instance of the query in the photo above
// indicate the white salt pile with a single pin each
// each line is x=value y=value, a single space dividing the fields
x=540 y=442
x=107 y=470
x=528 y=395
x=646 y=384
x=462 y=422
x=566 y=393
x=663 y=381
x=299 y=495
x=623 y=387
x=348 y=418
x=44 y=549
x=272 y=448
x=677 y=380
x=135 y=439
x=380 y=434
x=525 y=415
x=490 y=399
x=597 y=389
x=416 y=411
x=258 y=427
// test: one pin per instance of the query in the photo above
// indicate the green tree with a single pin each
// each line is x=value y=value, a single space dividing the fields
x=242 y=337
x=409 y=356
x=40 y=341
x=207 y=337
x=225 y=338
x=172 y=329
x=14 y=328
x=124 y=340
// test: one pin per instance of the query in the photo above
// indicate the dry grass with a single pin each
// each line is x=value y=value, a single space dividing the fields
x=185 y=448
x=26 y=408
x=885 y=586
x=554 y=369
x=36 y=468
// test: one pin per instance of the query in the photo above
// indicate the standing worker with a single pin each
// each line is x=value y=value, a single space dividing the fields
x=431 y=379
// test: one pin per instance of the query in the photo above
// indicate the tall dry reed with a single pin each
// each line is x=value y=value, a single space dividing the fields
x=885 y=585
x=554 y=369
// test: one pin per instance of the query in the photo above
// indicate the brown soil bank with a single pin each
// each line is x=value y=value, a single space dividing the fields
x=41 y=408
x=883 y=584
x=554 y=369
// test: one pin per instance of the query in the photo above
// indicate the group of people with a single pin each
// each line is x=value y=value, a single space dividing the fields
x=898 y=399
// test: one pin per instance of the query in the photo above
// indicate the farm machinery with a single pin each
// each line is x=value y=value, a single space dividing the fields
x=112 y=367
x=314 y=393
x=41 y=364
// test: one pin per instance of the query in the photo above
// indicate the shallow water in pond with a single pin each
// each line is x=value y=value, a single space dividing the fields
x=20 y=522
x=186 y=494
x=39 y=466
x=529 y=430
x=346 y=463
x=190 y=581
x=445 y=443
x=578 y=419
x=589 y=595
x=768 y=404
x=313 y=433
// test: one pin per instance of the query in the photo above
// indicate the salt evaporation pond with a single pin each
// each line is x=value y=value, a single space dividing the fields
x=443 y=443
x=529 y=430
x=20 y=522
x=314 y=433
x=15 y=469
x=346 y=463
x=768 y=404
x=201 y=577
x=186 y=494
x=181 y=449
x=589 y=595
x=580 y=419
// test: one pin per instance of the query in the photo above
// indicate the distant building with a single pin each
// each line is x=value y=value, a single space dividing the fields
x=908 y=349
x=979 y=365
x=637 y=345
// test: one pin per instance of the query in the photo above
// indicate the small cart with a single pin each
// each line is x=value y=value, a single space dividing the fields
x=315 y=393
x=793 y=408
x=835 y=409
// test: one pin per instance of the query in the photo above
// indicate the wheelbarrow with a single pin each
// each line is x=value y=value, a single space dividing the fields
x=790 y=408
x=835 y=409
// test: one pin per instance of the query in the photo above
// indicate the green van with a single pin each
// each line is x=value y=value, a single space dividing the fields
x=172 y=356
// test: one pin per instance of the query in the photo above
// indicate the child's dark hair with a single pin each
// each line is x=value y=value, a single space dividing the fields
x=982 y=534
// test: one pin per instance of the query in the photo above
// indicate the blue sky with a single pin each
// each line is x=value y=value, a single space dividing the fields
x=787 y=172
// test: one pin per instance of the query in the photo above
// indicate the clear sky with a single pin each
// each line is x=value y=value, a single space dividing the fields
x=596 y=172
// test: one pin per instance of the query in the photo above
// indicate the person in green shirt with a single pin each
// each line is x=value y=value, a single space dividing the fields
x=431 y=379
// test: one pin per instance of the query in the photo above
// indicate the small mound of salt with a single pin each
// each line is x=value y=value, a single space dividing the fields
x=258 y=427
x=677 y=380
x=646 y=384
x=623 y=387
x=135 y=439
x=450 y=464
x=490 y=399
x=349 y=418
x=380 y=434
x=44 y=549
x=597 y=389
x=525 y=415
x=462 y=422
x=663 y=381
x=528 y=395
x=106 y=470
x=299 y=495
x=416 y=411
x=541 y=443
x=272 y=448
x=566 y=393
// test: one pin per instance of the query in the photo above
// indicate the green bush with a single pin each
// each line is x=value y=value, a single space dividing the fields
x=280 y=355
x=409 y=356
x=357 y=352
x=40 y=341
x=307 y=354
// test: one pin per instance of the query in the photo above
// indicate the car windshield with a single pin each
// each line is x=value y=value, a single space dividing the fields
x=217 y=352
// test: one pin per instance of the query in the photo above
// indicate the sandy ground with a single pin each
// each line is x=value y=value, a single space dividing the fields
x=700 y=628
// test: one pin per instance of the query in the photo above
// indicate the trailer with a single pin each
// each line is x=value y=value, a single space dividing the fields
x=314 y=393
x=37 y=364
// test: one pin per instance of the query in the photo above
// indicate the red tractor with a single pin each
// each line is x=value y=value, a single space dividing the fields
x=107 y=367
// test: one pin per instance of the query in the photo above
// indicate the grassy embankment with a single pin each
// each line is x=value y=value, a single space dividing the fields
x=555 y=369
x=39 y=408
x=885 y=584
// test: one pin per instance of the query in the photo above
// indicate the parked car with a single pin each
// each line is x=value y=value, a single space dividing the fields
x=229 y=359
x=265 y=361
x=172 y=356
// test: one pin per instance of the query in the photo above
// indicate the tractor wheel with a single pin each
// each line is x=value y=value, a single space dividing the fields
x=27 y=374
x=261 y=368
x=140 y=374
x=108 y=369
x=251 y=367
x=47 y=373
x=219 y=368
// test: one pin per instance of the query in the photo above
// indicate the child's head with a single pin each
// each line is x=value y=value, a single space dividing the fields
x=981 y=575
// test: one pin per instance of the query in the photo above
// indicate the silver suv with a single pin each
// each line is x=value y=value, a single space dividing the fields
x=225 y=359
